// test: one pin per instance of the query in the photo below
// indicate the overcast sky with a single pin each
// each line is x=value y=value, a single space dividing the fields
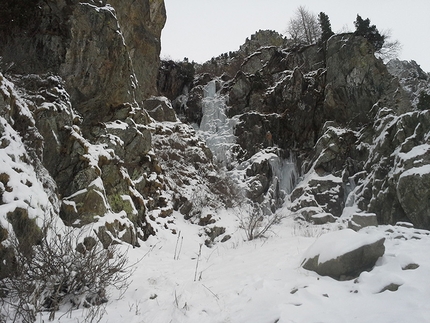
x=201 y=29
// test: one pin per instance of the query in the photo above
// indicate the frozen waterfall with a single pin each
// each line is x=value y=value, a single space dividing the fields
x=285 y=173
x=218 y=132
x=216 y=128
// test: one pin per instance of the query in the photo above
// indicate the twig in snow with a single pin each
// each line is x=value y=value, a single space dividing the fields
x=197 y=262
x=216 y=296
x=176 y=255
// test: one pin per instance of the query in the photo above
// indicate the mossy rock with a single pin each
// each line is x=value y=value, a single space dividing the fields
x=118 y=204
x=26 y=229
x=88 y=205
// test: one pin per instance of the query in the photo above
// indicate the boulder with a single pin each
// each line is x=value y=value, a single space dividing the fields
x=325 y=192
x=84 y=207
x=160 y=109
x=343 y=254
x=362 y=220
x=322 y=218
x=413 y=192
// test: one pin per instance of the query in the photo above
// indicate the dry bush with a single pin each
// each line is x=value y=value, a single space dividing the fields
x=255 y=223
x=62 y=273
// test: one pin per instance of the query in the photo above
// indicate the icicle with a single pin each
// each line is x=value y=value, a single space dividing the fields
x=285 y=174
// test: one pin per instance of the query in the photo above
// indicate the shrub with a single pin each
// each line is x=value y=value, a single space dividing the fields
x=61 y=272
x=255 y=223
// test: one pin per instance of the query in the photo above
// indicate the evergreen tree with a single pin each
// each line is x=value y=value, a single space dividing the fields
x=370 y=32
x=325 y=26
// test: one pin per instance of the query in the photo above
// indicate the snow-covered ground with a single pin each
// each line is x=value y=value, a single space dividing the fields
x=261 y=280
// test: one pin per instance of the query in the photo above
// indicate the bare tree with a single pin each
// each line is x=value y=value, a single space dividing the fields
x=304 y=28
x=255 y=223
x=391 y=47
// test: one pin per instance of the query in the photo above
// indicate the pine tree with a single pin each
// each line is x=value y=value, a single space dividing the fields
x=325 y=26
x=370 y=32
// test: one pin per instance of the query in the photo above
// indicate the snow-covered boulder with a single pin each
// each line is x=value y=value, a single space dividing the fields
x=343 y=254
x=362 y=220
x=324 y=194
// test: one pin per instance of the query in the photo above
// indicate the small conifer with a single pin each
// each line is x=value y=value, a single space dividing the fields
x=370 y=32
x=325 y=26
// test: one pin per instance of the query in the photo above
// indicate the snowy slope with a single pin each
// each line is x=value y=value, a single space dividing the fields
x=262 y=281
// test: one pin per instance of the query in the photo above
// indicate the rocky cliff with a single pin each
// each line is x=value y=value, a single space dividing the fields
x=348 y=124
x=106 y=52
x=74 y=78
x=325 y=130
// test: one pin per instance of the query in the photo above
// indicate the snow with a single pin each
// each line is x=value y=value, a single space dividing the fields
x=23 y=188
x=262 y=281
x=417 y=151
x=422 y=170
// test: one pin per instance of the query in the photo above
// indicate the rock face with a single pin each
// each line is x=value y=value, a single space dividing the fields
x=349 y=121
x=82 y=121
x=411 y=76
x=343 y=254
x=108 y=53
x=141 y=24
x=78 y=73
x=354 y=82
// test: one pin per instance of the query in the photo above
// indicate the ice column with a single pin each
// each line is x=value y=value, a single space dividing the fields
x=216 y=128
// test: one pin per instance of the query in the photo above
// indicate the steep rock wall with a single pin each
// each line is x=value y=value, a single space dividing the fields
x=108 y=52
x=76 y=75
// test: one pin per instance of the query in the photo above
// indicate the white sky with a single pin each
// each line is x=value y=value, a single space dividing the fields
x=201 y=29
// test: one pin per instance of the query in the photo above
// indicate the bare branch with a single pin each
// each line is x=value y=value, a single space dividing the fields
x=304 y=28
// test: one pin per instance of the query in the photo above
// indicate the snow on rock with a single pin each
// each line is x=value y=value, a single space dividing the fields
x=343 y=254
